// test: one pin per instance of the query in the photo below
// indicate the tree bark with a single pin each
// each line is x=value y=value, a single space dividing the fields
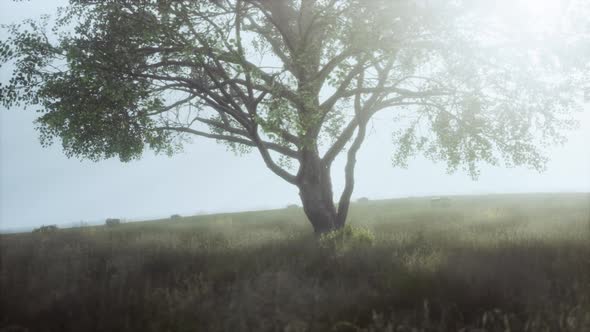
x=344 y=203
x=315 y=187
x=315 y=190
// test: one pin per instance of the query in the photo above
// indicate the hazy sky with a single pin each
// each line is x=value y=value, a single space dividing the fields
x=42 y=186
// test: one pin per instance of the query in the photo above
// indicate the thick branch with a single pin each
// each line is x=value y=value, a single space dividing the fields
x=258 y=143
x=279 y=24
x=344 y=202
x=332 y=100
x=274 y=43
x=270 y=162
x=323 y=74
x=362 y=114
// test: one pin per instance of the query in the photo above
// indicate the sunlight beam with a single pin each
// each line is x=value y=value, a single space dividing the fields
x=538 y=18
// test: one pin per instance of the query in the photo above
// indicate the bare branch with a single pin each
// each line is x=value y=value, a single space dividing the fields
x=263 y=149
x=269 y=145
x=344 y=202
x=362 y=114
x=332 y=100
x=325 y=72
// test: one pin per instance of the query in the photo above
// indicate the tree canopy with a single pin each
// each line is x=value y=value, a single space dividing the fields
x=298 y=82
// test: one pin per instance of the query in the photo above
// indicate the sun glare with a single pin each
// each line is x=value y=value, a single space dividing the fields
x=543 y=11
x=539 y=17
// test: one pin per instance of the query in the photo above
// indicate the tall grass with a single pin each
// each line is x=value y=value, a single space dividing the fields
x=494 y=263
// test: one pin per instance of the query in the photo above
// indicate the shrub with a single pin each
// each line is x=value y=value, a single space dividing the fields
x=362 y=200
x=348 y=238
x=292 y=206
x=175 y=216
x=440 y=202
x=112 y=221
x=46 y=229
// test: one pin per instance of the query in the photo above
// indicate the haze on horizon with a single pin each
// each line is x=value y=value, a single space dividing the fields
x=42 y=186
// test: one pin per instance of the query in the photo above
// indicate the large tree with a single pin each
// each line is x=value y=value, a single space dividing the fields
x=299 y=81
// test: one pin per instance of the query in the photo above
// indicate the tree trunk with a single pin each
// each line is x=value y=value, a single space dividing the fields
x=315 y=190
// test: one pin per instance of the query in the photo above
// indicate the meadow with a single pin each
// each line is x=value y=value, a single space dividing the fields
x=480 y=263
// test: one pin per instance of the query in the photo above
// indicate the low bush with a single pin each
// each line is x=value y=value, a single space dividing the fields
x=46 y=229
x=347 y=239
x=112 y=221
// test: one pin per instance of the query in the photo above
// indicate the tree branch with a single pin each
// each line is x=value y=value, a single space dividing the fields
x=323 y=74
x=362 y=114
x=270 y=162
x=236 y=131
x=344 y=202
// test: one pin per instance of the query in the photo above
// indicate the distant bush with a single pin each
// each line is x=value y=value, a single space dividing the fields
x=112 y=221
x=440 y=202
x=292 y=206
x=362 y=200
x=175 y=216
x=347 y=239
x=46 y=229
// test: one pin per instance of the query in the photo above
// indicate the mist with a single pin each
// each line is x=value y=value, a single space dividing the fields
x=42 y=186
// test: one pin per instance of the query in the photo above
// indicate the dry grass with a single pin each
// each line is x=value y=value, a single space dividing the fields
x=496 y=263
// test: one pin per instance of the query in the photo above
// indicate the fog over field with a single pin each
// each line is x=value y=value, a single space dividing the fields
x=295 y=165
x=42 y=186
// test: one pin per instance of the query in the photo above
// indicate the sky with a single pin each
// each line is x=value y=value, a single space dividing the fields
x=42 y=186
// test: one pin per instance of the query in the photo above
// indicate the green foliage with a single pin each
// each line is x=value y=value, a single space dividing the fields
x=111 y=78
x=95 y=107
x=348 y=238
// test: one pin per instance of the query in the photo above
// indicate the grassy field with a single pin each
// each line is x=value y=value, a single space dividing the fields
x=484 y=263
